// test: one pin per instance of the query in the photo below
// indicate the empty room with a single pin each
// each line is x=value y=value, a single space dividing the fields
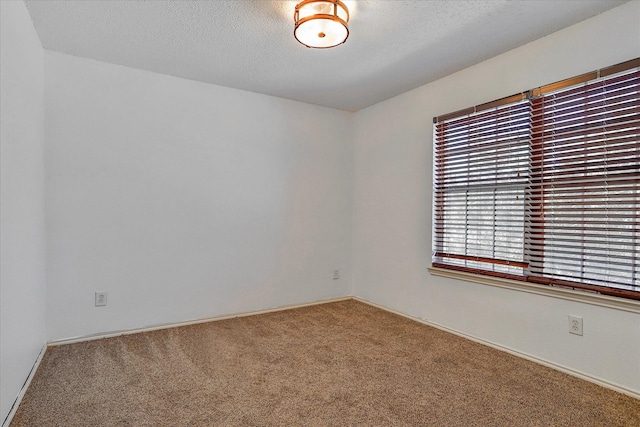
x=320 y=213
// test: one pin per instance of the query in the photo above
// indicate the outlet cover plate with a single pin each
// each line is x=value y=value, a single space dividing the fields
x=575 y=325
x=101 y=299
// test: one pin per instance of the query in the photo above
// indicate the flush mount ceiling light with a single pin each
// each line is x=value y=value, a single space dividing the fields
x=321 y=23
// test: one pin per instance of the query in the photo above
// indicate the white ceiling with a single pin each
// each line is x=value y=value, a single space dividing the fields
x=394 y=45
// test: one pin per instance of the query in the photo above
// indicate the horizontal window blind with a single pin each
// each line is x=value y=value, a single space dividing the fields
x=545 y=188
x=584 y=192
x=482 y=164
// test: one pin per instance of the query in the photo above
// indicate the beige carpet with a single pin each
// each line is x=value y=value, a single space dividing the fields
x=337 y=364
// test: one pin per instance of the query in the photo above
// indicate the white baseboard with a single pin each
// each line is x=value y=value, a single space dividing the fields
x=547 y=363
x=25 y=386
x=188 y=322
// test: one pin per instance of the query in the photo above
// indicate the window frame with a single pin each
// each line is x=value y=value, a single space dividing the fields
x=537 y=280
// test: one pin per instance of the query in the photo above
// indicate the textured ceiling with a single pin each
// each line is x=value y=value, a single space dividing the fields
x=394 y=46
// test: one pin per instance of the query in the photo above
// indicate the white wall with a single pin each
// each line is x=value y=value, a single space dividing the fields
x=185 y=200
x=392 y=208
x=22 y=246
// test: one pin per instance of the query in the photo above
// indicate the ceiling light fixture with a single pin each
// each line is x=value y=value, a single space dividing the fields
x=321 y=23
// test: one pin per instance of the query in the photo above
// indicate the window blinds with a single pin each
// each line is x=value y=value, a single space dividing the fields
x=584 y=194
x=482 y=168
x=545 y=189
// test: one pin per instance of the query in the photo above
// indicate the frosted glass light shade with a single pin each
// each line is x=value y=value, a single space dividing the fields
x=321 y=23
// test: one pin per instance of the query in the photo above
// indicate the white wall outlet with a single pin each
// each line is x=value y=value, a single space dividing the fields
x=101 y=299
x=336 y=274
x=575 y=325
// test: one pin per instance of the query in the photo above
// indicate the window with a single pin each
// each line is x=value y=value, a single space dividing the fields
x=544 y=186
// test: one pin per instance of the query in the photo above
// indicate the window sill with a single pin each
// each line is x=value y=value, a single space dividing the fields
x=550 y=291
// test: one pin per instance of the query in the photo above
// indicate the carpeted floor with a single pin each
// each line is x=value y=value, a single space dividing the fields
x=337 y=364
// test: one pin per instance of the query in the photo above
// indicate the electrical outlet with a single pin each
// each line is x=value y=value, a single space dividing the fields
x=575 y=325
x=336 y=274
x=101 y=299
